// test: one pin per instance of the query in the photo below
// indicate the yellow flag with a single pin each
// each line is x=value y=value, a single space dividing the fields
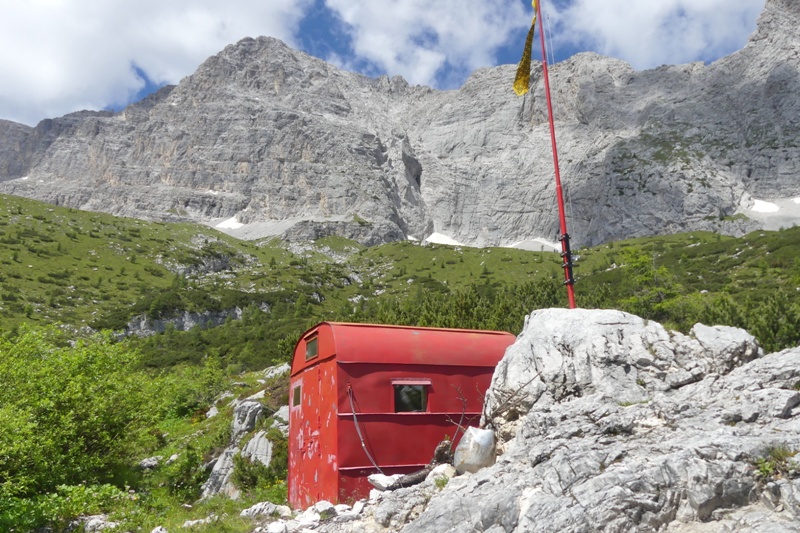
x=523 y=78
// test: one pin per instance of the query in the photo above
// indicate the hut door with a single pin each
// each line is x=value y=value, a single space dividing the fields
x=305 y=455
x=314 y=416
x=311 y=431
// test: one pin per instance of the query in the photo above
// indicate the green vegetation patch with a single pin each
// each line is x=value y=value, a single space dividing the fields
x=80 y=409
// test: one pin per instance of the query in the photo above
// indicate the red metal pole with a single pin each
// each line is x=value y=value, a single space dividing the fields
x=566 y=253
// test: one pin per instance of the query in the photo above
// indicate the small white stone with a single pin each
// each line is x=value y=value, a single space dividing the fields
x=445 y=470
x=277 y=527
x=383 y=482
x=308 y=518
x=325 y=509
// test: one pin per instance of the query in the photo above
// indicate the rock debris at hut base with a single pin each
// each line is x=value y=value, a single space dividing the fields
x=617 y=424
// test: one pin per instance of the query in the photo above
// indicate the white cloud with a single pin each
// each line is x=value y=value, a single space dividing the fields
x=422 y=40
x=656 y=32
x=64 y=55
x=439 y=42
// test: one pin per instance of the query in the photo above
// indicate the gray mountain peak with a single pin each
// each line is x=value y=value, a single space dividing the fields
x=263 y=139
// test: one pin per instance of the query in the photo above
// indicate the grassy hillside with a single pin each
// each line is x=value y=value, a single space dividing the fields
x=87 y=269
x=78 y=412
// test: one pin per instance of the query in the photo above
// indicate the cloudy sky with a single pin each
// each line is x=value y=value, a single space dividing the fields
x=60 y=56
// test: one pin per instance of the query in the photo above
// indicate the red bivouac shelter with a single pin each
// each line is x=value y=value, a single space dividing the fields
x=365 y=397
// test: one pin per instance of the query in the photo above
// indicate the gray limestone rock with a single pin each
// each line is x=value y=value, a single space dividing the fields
x=188 y=524
x=258 y=448
x=281 y=417
x=325 y=509
x=150 y=462
x=245 y=416
x=275 y=371
x=268 y=137
x=589 y=455
x=144 y=326
x=277 y=527
x=382 y=481
x=262 y=508
x=97 y=523
x=219 y=480
x=603 y=439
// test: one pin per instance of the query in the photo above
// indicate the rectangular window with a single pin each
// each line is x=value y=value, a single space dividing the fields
x=411 y=395
x=311 y=348
x=296 y=396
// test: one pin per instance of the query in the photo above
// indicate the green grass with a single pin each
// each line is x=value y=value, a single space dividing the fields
x=67 y=266
x=77 y=269
x=158 y=503
x=87 y=269
x=776 y=461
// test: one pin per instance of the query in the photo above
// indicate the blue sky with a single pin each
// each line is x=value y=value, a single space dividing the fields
x=66 y=55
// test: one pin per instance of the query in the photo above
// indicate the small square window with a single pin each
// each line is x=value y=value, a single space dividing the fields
x=311 y=348
x=410 y=398
x=296 y=396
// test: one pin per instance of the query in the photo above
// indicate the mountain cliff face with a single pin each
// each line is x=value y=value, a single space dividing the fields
x=288 y=144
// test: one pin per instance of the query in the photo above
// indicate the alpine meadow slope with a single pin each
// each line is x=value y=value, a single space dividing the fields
x=275 y=142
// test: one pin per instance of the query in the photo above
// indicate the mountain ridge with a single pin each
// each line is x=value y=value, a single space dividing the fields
x=278 y=142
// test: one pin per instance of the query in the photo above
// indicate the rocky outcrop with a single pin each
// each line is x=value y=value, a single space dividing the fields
x=613 y=423
x=606 y=352
x=219 y=480
x=245 y=416
x=287 y=144
x=144 y=326
x=258 y=448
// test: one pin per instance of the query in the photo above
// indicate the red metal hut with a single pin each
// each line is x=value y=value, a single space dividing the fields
x=365 y=396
